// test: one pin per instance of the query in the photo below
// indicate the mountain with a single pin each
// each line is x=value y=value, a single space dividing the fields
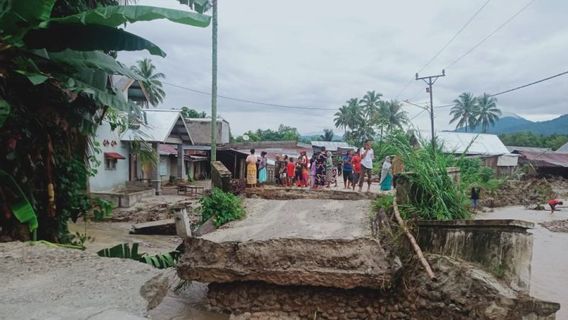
x=511 y=123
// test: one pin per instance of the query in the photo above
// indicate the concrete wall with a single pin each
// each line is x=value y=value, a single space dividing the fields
x=221 y=176
x=500 y=247
x=106 y=180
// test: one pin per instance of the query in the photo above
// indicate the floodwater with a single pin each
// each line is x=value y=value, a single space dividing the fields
x=549 y=274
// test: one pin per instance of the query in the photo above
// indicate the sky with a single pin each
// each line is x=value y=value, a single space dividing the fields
x=320 y=53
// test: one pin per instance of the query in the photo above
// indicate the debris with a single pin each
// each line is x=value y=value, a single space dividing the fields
x=163 y=227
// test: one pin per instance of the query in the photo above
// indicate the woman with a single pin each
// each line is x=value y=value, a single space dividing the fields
x=386 y=175
x=251 y=169
x=329 y=170
x=320 y=169
x=313 y=171
x=262 y=168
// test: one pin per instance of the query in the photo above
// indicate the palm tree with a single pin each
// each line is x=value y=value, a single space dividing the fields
x=151 y=81
x=340 y=118
x=464 y=111
x=327 y=135
x=487 y=112
x=393 y=114
x=370 y=103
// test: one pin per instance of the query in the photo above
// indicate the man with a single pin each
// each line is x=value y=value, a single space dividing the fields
x=356 y=163
x=277 y=169
x=366 y=165
x=347 y=170
x=553 y=203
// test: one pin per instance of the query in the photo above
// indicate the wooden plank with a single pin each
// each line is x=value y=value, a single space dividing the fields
x=163 y=227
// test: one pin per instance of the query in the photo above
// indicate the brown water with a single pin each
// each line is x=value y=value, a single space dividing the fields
x=549 y=276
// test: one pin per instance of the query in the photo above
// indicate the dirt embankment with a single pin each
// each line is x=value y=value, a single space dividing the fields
x=530 y=193
x=156 y=208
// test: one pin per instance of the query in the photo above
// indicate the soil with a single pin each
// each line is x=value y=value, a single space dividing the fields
x=556 y=225
x=42 y=282
x=529 y=193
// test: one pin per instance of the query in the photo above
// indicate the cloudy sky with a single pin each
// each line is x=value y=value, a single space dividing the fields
x=319 y=53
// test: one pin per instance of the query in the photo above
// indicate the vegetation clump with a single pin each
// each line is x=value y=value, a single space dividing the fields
x=222 y=206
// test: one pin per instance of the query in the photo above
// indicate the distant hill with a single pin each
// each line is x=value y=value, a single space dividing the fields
x=511 y=123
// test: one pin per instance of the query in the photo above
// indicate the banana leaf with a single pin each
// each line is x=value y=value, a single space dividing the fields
x=58 y=37
x=22 y=209
x=114 y=16
x=200 y=6
x=18 y=16
x=92 y=59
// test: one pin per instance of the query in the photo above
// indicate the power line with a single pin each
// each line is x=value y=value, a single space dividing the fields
x=529 y=84
x=249 y=101
x=490 y=35
x=446 y=45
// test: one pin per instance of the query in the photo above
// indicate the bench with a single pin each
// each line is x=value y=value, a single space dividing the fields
x=192 y=189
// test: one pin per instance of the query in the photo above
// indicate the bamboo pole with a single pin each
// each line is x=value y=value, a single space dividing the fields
x=413 y=242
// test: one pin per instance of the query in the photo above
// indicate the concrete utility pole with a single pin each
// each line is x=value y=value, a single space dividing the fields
x=430 y=80
x=214 y=85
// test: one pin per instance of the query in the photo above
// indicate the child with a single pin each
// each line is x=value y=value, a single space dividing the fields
x=291 y=170
x=475 y=191
x=553 y=203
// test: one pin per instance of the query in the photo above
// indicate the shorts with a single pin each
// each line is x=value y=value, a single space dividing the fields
x=347 y=175
x=355 y=177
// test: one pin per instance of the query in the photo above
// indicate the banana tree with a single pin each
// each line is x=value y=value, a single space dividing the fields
x=54 y=86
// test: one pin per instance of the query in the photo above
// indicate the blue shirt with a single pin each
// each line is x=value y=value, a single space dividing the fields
x=347 y=163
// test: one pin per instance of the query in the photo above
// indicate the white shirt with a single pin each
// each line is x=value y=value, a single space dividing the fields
x=367 y=161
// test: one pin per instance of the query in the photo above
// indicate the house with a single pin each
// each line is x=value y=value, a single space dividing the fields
x=487 y=147
x=200 y=131
x=162 y=133
x=546 y=163
x=515 y=149
x=333 y=146
x=563 y=149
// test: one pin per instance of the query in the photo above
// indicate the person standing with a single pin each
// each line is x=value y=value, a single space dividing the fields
x=475 y=192
x=251 y=169
x=386 y=175
x=290 y=170
x=356 y=163
x=347 y=169
x=320 y=169
x=329 y=176
x=277 y=168
x=262 y=174
x=366 y=165
x=313 y=171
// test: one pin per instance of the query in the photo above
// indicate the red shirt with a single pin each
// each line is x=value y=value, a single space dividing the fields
x=356 y=161
x=291 y=168
x=553 y=202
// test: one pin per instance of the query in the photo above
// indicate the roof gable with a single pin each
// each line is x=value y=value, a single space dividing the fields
x=164 y=126
x=469 y=143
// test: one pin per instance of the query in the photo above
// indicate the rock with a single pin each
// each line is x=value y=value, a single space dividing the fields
x=207 y=227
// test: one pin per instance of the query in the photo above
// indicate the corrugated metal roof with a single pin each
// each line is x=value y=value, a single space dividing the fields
x=563 y=149
x=200 y=130
x=160 y=125
x=473 y=143
x=546 y=159
x=531 y=149
x=331 y=145
x=167 y=149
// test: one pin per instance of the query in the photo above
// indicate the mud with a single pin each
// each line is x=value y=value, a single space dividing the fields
x=556 y=226
x=330 y=263
x=533 y=193
x=156 y=208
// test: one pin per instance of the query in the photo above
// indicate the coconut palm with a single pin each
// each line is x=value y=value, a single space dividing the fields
x=370 y=103
x=464 y=111
x=151 y=80
x=395 y=117
x=487 y=112
x=340 y=118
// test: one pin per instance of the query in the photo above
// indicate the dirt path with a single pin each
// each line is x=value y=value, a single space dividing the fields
x=309 y=219
x=549 y=274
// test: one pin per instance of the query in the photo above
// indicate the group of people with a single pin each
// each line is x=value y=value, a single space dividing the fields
x=321 y=170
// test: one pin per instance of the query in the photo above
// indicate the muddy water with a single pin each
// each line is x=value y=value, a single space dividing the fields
x=549 y=276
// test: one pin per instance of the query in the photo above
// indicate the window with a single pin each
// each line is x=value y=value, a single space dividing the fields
x=110 y=164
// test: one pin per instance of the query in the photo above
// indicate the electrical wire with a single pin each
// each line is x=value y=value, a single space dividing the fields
x=491 y=34
x=529 y=84
x=446 y=45
x=249 y=101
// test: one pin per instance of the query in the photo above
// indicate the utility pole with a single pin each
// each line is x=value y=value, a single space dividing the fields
x=214 y=85
x=430 y=80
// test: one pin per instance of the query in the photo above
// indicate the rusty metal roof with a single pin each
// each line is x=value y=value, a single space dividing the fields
x=546 y=159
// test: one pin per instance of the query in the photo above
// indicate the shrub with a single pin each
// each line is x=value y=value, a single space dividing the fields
x=485 y=174
x=222 y=206
x=383 y=202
